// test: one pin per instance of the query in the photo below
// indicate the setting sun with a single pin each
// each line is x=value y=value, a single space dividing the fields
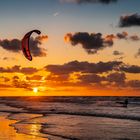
x=35 y=90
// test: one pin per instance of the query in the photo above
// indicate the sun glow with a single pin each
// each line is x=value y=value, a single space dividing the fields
x=35 y=90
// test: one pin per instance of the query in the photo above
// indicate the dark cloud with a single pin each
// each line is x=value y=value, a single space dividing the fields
x=118 y=78
x=8 y=58
x=28 y=70
x=84 y=67
x=130 y=69
x=60 y=77
x=11 y=45
x=91 y=78
x=125 y=35
x=10 y=70
x=4 y=79
x=135 y=38
x=90 y=1
x=94 y=42
x=114 y=78
x=20 y=84
x=130 y=20
x=122 y=35
x=117 y=53
x=35 y=49
x=34 y=77
x=134 y=84
x=15 y=78
x=103 y=74
x=18 y=69
x=90 y=42
x=66 y=68
x=88 y=74
x=15 y=46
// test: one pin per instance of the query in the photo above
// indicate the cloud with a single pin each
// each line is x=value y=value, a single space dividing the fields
x=134 y=84
x=111 y=74
x=8 y=58
x=36 y=51
x=59 y=77
x=15 y=78
x=91 y=74
x=10 y=70
x=118 y=78
x=5 y=86
x=18 y=69
x=87 y=74
x=130 y=68
x=28 y=70
x=130 y=20
x=90 y=42
x=117 y=53
x=11 y=45
x=91 y=78
x=18 y=83
x=135 y=38
x=14 y=45
x=42 y=38
x=56 y=14
x=89 y=1
x=120 y=58
x=84 y=67
x=122 y=35
x=94 y=42
x=138 y=53
x=125 y=35
x=4 y=79
x=34 y=77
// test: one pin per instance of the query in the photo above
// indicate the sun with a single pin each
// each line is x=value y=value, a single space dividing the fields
x=35 y=90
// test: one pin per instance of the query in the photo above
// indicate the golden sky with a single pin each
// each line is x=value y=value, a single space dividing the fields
x=85 y=48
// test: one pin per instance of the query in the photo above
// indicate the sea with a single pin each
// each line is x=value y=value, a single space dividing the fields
x=69 y=118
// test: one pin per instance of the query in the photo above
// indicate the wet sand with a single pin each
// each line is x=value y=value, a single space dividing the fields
x=7 y=132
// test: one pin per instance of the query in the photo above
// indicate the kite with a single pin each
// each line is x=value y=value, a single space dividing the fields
x=25 y=44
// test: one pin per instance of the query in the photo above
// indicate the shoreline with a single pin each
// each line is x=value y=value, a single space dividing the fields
x=43 y=126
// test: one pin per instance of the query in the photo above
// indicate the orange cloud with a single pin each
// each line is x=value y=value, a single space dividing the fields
x=67 y=37
x=42 y=38
x=122 y=35
x=110 y=37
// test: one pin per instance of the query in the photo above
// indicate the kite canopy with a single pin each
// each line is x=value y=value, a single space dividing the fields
x=25 y=44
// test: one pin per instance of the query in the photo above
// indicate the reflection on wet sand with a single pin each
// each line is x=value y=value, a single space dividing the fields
x=34 y=129
x=9 y=133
